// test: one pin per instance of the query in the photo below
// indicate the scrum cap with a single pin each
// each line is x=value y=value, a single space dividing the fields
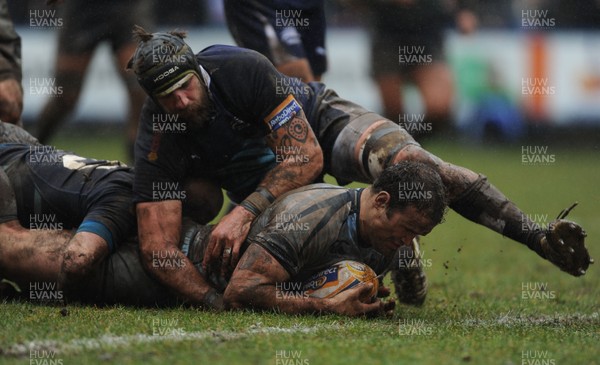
x=162 y=61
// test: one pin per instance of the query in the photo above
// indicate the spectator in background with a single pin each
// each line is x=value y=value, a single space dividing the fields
x=86 y=25
x=11 y=91
x=290 y=33
x=407 y=44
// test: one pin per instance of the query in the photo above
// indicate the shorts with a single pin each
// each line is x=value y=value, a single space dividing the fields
x=282 y=35
x=396 y=53
x=89 y=23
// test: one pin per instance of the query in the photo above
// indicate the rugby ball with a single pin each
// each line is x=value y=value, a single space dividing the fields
x=339 y=277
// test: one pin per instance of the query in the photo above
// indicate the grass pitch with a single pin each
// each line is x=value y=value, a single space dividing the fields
x=491 y=300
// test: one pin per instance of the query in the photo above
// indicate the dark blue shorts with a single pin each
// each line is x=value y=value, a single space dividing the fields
x=280 y=32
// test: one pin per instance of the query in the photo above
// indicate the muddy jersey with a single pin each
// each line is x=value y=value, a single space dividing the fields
x=250 y=98
x=58 y=190
x=314 y=227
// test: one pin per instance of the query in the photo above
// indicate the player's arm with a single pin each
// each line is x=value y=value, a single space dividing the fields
x=299 y=155
x=254 y=285
x=300 y=161
x=159 y=229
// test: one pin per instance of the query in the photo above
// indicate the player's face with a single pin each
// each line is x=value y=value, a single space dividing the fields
x=387 y=232
x=190 y=102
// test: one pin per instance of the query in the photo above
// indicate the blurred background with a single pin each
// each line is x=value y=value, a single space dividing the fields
x=520 y=69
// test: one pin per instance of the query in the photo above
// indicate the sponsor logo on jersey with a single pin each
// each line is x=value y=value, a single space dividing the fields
x=285 y=112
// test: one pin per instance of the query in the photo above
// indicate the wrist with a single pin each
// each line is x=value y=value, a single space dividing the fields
x=242 y=213
x=258 y=201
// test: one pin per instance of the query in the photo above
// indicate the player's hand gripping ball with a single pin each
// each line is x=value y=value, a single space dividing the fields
x=339 y=277
x=564 y=245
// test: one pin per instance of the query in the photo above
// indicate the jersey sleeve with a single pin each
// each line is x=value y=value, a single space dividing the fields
x=160 y=162
x=298 y=231
x=253 y=89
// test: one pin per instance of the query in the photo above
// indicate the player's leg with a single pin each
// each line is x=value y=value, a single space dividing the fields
x=289 y=54
x=76 y=44
x=136 y=94
x=471 y=195
x=387 y=72
x=366 y=143
x=255 y=25
x=436 y=86
x=118 y=31
x=69 y=72
x=313 y=39
x=299 y=68
x=390 y=91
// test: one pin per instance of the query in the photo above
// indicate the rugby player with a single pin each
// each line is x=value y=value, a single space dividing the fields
x=330 y=224
x=74 y=210
x=244 y=134
x=290 y=33
x=303 y=232
x=86 y=26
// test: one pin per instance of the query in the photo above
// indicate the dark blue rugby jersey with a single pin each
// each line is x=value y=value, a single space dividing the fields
x=251 y=99
x=311 y=228
x=59 y=190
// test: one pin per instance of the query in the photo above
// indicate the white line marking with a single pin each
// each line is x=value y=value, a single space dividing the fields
x=109 y=341
x=508 y=320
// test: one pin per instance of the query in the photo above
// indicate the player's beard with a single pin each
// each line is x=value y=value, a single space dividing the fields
x=199 y=113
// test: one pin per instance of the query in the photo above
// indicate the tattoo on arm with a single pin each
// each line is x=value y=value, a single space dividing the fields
x=297 y=129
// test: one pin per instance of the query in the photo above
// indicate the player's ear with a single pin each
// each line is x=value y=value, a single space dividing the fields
x=382 y=199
